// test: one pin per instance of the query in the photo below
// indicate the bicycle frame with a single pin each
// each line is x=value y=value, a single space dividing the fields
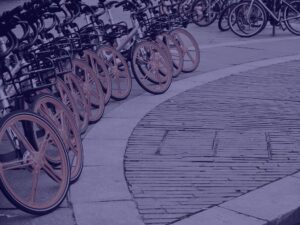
x=3 y=93
x=131 y=36
x=4 y=96
x=272 y=13
x=213 y=3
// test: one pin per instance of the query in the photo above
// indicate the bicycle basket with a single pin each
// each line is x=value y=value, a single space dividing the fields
x=36 y=75
x=114 y=31
x=152 y=26
x=89 y=37
x=175 y=20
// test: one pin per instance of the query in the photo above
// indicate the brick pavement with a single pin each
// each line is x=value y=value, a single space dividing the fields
x=214 y=143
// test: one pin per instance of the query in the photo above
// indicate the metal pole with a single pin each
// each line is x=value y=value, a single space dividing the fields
x=274 y=26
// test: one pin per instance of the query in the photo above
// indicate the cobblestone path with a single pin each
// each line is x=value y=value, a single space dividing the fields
x=215 y=142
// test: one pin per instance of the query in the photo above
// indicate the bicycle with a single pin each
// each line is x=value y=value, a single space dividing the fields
x=26 y=139
x=151 y=68
x=223 y=23
x=37 y=75
x=187 y=43
x=249 y=18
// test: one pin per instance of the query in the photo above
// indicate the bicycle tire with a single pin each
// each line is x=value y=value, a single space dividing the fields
x=233 y=14
x=67 y=99
x=49 y=106
x=287 y=10
x=75 y=86
x=119 y=71
x=175 y=52
x=155 y=75
x=14 y=178
x=91 y=88
x=100 y=69
x=224 y=17
x=188 y=44
x=203 y=22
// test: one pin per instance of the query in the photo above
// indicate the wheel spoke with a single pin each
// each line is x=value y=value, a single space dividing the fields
x=19 y=164
x=118 y=81
x=141 y=60
x=50 y=171
x=23 y=139
x=95 y=94
x=46 y=112
x=190 y=56
x=35 y=179
x=114 y=57
x=43 y=143
x=146 y=76
x=71 y=85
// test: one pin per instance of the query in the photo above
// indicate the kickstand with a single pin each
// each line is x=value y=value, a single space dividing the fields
x=274 y=9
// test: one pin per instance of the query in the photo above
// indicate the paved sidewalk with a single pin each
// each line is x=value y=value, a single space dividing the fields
x=234 y=129
x=215 y=142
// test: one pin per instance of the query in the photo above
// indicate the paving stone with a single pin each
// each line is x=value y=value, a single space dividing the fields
x=243 y=144
x=220 y=216
x=17 y=217
x=99 y=153
x=114 y=213
x=100 y=183
x=112 y=129
x=278 y=198
x=187 y=142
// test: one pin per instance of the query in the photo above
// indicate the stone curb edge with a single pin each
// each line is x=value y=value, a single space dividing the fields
x=277 y=203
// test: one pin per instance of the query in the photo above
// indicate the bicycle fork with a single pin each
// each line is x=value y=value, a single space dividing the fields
x=249 y=11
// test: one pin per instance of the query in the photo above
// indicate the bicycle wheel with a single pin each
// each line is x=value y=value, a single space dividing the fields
x=118 y=70
x=75 y=86
x=101 y=71
x=167 y=55
x=291 y=17
x=67 y=99
x=151 y=68
x=61 y=117
x=91 y=88
x=189 y=48
x=223 y=23
x=26 y=178
x=175 y=53
x=246 y=20
x=203 y=13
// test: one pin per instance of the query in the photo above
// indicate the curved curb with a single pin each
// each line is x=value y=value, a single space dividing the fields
x=106 y=144
x=278 y=205
x=255 y=41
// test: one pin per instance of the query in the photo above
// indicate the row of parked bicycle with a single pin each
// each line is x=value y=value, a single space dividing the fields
x=246 y=18
x=61 y=61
